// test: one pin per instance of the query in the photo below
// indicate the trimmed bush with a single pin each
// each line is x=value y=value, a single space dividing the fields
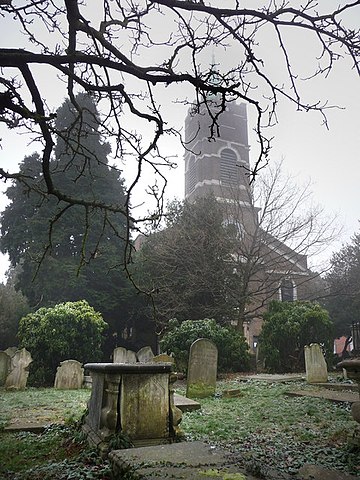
x=233 y=355
x=287 y=328
x=71 y=330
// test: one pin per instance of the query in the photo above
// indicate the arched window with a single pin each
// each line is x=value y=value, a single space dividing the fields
x=287 y=290
x=229 y=168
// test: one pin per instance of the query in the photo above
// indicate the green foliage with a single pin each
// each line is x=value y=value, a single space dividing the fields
x=232 y=348
x=55 y=243
x=287 y=328
x=343 y=301
x=72 y=330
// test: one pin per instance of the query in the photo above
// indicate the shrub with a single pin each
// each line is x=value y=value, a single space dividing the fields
x=71 y=330
x=287 y=328
x=233 y=352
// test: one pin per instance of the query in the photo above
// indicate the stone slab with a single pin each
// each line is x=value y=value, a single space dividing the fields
x=186 y=460
x=313 y=472
x=268 y=377
x=327 y=395
x=186 y=404
x=337 y=386
x=25 y=427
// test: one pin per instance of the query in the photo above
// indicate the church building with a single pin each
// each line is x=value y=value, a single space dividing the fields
x=218 y=164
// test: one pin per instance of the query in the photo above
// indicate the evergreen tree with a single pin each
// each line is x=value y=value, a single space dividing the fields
x=71 y=252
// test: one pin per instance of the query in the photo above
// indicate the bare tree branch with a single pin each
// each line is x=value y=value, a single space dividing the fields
x=120 y=55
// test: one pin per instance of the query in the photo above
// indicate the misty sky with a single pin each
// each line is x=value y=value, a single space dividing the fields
x=329 y=157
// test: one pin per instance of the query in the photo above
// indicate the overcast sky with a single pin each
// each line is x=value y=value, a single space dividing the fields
x=329 y=157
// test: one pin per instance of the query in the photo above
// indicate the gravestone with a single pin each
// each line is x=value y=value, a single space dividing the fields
x=69 y=375
x=19 y=370
x=202 y=369
x=11 y=351
x=315 y=365
x=122 y=355
x=4 y=367
x=145 y=355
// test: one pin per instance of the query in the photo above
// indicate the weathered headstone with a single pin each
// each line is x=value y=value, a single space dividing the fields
x=163 y=357
x=145 y=355
x=19 y=370
x=315 y=365
x=11 y=351
x=202 y=369
x=4 y=367
x=122 y=355
x=69 y=375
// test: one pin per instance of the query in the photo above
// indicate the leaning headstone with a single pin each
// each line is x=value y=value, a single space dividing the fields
x=163 y=357
x=122 y=355
x=4 y=367
x=202 y=369
x=315 y=365
x=19 y=370
x=11 y=351
x=69 y=375
x=145 y=355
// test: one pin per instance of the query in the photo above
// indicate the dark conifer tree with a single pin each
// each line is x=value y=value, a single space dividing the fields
x=71 y=252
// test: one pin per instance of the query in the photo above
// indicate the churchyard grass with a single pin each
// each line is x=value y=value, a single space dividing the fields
x=48 y=404
x=264 y=428
x=61 y=451
x=267 y=429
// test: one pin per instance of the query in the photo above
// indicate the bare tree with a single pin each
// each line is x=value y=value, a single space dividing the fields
x=227 y=259
x=278 y=231
x=125 y=53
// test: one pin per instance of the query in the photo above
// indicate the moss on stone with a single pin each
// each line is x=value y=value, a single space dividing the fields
x=223 y=474
x=200 y=390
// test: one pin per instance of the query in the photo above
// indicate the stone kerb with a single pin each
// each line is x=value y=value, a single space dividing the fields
x=69 y=375
x=202 y=369
x=315 y=365
x=19 y=370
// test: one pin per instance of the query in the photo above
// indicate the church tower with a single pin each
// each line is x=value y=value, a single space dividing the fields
x=217 y=165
